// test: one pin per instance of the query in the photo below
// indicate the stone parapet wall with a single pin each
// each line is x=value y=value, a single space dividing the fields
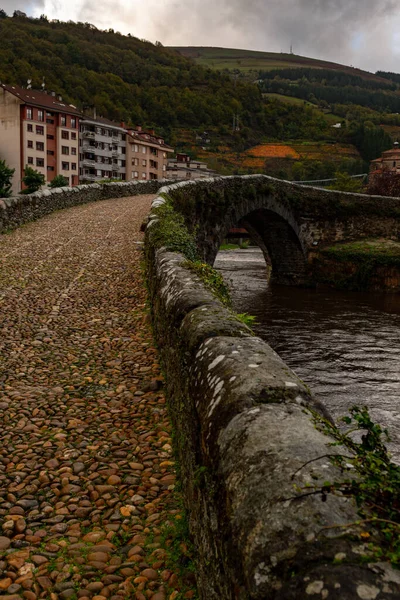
x=18 y=210
x=245 y=434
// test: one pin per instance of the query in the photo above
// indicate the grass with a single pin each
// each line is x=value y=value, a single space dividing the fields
x=251 y=60
x=376 y=247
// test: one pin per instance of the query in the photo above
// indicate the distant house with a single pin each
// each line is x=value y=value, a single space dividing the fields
x=183 y=167
x=389 y=162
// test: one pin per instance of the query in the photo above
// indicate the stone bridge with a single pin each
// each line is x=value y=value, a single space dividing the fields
x=84 y=430
x=288 y=221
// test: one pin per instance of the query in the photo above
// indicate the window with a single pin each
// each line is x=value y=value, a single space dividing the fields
x=29 y=113
x=40 y=146
x=63 y=121
x=30 y=144
x=29 y=127
x=144 y=149
x=73 y=166
x=50 y=168
x=144 y=176
x=64 y=150
x=50 y=121
x=144 y=163
x=30 y=160
x=164 y=167
x=40 y=114
x=65 y=166
x=40 y=162
x=73 y=122
x=65 y=135
x=73 y=150
x=50 y=137
x=40 y=129
x=50 y=152
x=73 y=135
x=135 y=148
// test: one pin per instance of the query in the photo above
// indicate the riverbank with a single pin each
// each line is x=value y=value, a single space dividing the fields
x=366 y=265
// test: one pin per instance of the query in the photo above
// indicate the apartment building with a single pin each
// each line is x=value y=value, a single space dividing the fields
x=146 y=155
x=102 y=150
x=38 y=129
x=183 y=167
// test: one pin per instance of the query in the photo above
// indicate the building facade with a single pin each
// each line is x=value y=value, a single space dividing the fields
x=388 y=163
x=146 y=155
x=183 y=167
x=39 y=130
x=102 y=150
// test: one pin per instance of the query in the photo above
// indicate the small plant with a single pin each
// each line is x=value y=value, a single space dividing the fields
x=33 y=180
x=370 y=478
x=211 y=279
x=249 y=320
x=6 y=175
x=59 y=181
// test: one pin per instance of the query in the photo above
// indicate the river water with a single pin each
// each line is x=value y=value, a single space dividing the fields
x=344 y=345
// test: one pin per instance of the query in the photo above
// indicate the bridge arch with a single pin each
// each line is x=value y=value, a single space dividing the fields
x=272 y=225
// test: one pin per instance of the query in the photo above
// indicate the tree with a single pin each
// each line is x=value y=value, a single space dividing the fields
x=345 y=183
x=59 y=181
x=33 y=180
x=385 y=183
x=6 y=175
x=3 y=14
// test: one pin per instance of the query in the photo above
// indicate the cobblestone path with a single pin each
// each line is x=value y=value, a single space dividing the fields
x=87 y=501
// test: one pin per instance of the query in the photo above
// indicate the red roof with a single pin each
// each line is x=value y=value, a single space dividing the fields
x=41 y=100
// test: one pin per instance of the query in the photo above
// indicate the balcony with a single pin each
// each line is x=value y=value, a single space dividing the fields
x=89 y=134
x=89 y=177
x=115 y=139
x=88 y=162
x=115 y=153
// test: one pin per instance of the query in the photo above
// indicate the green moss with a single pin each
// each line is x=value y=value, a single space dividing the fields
x=211 y=279
x=170 y=231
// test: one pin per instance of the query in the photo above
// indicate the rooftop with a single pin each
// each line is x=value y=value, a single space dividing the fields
x=41 y=99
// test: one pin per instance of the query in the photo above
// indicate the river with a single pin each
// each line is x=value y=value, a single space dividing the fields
x=344 y=345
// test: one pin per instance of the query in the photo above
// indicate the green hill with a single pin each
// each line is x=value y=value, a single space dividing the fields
x=125 y=78
x=254 y=61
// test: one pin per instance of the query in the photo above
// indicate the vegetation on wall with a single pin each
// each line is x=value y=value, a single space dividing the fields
x=370 y=478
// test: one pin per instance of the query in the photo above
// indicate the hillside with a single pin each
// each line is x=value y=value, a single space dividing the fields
x=140 y=83
x=254 y=61
x=123 y=77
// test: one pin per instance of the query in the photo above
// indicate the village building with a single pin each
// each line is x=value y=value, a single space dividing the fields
x=183 y=167
x=102 y=152
x=146 y=155
x=388 y=163
x=38 y=129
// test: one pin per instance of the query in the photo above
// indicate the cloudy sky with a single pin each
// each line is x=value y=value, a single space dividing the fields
x=362 y=33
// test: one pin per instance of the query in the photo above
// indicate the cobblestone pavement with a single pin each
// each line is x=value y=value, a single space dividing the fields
x=87 y=501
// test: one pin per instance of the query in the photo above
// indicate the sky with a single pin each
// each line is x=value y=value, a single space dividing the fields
x=361 y=33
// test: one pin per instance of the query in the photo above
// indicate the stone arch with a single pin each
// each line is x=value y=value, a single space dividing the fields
x=274 y=228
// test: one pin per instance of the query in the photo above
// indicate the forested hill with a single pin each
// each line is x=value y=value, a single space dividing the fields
x=125 y=78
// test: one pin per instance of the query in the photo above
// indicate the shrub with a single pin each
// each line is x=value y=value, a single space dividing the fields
x=59 y=181
x=6 y=175
x=33 y=180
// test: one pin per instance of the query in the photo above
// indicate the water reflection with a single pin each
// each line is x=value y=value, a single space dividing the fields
x=344 y=345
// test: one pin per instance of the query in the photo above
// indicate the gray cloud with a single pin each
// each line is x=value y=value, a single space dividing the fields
x=358 y=32
x=24 y=5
